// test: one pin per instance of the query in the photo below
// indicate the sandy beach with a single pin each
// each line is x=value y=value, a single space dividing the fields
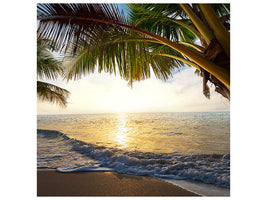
x=52 y=183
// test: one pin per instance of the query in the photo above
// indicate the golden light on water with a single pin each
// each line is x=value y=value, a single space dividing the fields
x=150 y=132
x=122 y=131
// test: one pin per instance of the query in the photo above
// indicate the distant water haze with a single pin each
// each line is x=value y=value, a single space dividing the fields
x=183 y=133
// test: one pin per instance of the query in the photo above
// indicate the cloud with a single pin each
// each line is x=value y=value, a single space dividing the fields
x=104 y=93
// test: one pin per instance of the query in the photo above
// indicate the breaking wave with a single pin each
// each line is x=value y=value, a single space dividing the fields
x=70 y=155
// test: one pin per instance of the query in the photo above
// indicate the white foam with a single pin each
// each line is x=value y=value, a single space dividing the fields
x=84 y=169
x=212 y=169
x=200 y=188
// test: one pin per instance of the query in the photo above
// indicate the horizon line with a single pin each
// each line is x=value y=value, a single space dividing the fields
x=99 y=113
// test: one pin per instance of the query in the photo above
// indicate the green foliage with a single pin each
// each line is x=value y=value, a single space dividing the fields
x=47 y=66
x=68 y=23
x=52 y=93
x=156 y=37
x=50 y=68
x=133 y=54
x=162 y=19
x=221 y=9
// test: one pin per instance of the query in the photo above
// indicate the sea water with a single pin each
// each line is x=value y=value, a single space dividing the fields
x=191 y=150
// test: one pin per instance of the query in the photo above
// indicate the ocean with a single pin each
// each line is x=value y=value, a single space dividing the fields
x=190 y=149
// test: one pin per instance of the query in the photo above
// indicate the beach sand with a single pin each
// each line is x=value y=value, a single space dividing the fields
x=52 y=183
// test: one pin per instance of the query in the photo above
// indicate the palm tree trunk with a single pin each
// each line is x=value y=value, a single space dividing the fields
x=220 y=32
x=202 y=28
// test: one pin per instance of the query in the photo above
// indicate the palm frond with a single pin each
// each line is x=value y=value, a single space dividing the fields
x=221 y=9
x=130 y=56
x=161 y=19
x=173 y=11
x=47 y=66
x=52 y=93
x=78 y=27
x=66 y=23
x=227 y=7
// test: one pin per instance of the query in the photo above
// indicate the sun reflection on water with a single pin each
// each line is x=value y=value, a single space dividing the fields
x=122 y=131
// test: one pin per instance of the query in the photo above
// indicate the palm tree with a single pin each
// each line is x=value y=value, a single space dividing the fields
x=48 y=67
x=161 y=37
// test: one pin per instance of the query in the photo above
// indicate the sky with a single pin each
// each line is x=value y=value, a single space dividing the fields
x=105 y=93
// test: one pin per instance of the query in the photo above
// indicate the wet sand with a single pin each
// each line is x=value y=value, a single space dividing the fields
x=52 y=183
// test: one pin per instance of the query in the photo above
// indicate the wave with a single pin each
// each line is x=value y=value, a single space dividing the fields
x=208 y=168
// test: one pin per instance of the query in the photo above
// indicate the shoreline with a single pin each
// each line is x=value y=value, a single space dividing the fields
x=53 y=183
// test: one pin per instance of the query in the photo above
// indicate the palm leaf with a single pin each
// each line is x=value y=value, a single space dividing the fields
x=47 y=66
x=66 y=23
x=173 y=11
x=221 y=9
x=69 y=24
x=131 y=58
x=52 y=93
x=161 y=19
x=130 y=55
